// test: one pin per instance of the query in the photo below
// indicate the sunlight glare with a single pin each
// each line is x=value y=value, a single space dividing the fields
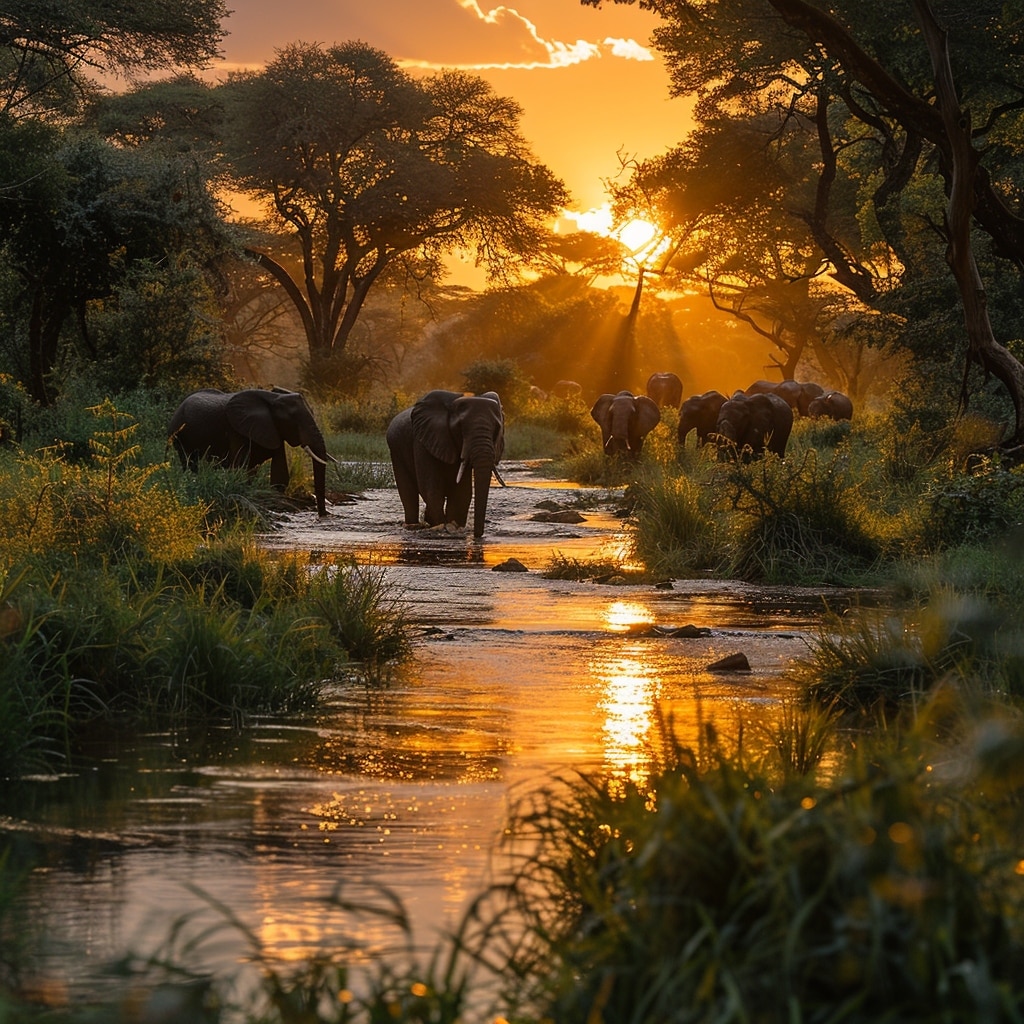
x=627 y=616
x=629 y=699
x=636 y=234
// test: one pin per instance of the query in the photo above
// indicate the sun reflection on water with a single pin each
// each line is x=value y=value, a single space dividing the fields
x=628 y=702
x=628 y=616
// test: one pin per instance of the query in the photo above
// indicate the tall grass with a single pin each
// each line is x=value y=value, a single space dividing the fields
x=124 y=594
x=721 y=891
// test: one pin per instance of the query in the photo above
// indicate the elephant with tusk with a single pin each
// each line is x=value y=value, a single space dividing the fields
x=246 y=428
x=433 y=443
x=625 y=420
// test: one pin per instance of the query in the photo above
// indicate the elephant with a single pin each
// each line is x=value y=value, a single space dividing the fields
x=700 y=413
x=797 y=395
x=567 y=389
x=750 y=425
x=625 y=420
x=833 y=404
x=245 y=428
x=665 y=389
x=433 y=442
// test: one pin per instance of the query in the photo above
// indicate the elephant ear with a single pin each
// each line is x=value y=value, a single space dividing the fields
x=648 y=415
x=431 y=427
x=248 y=412
x=599 y=410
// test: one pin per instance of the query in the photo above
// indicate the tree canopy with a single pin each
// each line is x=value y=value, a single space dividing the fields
x=864 y=143
x=49 y=48
x=368 y=171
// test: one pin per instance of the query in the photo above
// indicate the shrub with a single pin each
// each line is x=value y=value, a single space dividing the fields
x=718 y=891
x=799 y=521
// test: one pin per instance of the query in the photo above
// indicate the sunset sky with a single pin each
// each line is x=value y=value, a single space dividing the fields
x=587 y=80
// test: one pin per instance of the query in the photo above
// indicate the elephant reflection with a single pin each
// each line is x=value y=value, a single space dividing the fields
x=432 y=445
x=625 y=420
x=246 y=428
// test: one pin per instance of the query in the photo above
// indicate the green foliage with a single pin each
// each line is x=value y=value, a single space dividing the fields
x=680 y=527
x=970 y=508
x=501 y=375
x=799 y=521
x=718 y=891
x=361 y=613
x=120 y=597
x=872 y=661
x=160 y=333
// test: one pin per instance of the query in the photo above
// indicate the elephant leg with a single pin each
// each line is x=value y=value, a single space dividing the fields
x=279 y=468
x=432 y=479
x=457 y=506
x=408 y=493
x=405 y=481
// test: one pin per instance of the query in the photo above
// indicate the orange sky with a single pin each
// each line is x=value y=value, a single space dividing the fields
x=587 y=81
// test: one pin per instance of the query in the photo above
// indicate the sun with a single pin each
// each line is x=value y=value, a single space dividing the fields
x=636 y=234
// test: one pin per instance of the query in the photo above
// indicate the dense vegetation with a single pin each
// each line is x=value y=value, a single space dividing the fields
x=860 y=859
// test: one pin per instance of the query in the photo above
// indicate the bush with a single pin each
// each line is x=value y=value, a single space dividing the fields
x=718 y=891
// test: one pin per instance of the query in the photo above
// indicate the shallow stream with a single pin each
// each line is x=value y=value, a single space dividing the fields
x=516 y=681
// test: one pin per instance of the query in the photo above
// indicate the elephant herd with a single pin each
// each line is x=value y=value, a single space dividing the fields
x=445 y=448
x=751 y=422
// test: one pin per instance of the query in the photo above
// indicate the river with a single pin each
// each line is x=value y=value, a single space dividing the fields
x=406 y=781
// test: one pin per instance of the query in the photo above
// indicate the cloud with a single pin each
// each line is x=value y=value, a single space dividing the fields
x=523 y=34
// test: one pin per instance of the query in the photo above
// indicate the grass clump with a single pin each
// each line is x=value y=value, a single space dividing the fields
x=884 y=661
x=124 y=596
x=722 y=891
x=679 y=527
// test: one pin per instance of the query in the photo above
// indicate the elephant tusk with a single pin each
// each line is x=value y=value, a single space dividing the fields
x=316 y=458
x=462 y=469
x=497 y=476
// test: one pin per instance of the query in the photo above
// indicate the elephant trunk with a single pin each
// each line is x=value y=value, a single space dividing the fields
x=481 y=489
x=478 y=452
x=317 y=448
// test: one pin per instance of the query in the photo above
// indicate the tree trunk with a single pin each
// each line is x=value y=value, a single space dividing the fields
x=961 y=173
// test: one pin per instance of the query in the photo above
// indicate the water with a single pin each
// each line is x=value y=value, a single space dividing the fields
x=516 y=681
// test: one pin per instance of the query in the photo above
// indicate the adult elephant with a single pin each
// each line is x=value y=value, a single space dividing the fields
x=700 y=413
x=246 y=428
x=749 y=425
x=797 y=395
x=833 y=404
x=665 y=389
x=625 y=420
x=566 y=389
x=432 y=444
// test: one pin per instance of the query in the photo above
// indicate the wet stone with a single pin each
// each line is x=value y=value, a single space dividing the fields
x=688 y=631
x=731 y=663
x=510 y=565
x=568 y=515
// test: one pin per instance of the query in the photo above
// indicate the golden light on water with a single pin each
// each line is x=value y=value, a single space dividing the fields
x=628 y=616
x=628 y=699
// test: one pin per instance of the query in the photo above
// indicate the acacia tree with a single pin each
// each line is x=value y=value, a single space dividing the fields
x=370 y=171
x=873 y=88
x=49 y=50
